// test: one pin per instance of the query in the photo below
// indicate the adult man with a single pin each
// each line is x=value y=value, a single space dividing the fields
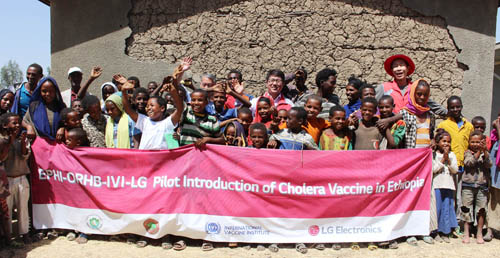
x=75 y=78
x=326 y=80
x=275 y=80
x=22 y=98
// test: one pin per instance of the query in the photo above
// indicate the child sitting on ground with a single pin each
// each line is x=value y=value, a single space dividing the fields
x=475 y=181
x=395 y=132
x=444 y=166
x=367 y=135
x=337 y=137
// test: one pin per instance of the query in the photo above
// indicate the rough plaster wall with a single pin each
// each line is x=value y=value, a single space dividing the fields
x=354 y=37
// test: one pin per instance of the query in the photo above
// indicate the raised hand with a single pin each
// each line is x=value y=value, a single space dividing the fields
x=186 y=63
x=96 y=72
x=238 y=87
x=120 y=78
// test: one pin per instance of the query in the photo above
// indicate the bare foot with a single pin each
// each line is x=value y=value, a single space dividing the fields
x=480 y=240
x=466 y=240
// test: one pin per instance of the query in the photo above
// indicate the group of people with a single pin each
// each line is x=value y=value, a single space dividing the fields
x=289 y=115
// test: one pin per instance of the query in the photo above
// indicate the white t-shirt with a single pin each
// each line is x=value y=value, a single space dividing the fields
x=153 y=132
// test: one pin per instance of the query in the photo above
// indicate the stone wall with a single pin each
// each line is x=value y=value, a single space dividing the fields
x=353 y=37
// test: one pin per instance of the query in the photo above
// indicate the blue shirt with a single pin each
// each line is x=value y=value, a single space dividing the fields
x=226 y=114
x=351 y=108
x=24 y=101
x=131 y=131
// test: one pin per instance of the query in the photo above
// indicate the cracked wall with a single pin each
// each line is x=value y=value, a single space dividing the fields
x=353 y=37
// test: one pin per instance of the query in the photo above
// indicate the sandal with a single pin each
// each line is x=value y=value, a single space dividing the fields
x=429 y=240
x=412 y=241
x=247 y=247
x=274 y=248
x=261 y=248
x=37 y=237
x=131 y=240
x=207 y=246
x=141 y=243
x=319 y=247
x=114 y=238
x=52 y=235
x=372 y=247
x=167 y=245
x=301 y=248
x=393 y=245
x=438 y=238
x=489 y=236
x=446 y=239
x=336 y=247
x=82 y=239
x=355 y=246
x=384 y=244
x=180 y=245
x=71 y=236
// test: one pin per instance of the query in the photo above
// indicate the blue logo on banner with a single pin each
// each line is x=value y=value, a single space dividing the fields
x=212 y=228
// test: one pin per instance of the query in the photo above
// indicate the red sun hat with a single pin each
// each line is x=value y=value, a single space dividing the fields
x=388 y=64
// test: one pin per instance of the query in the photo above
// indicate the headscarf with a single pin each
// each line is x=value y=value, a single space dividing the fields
x=123 y=138
x=2 y=94
x=106 y=84
x=240 y=133
x=39 y=111
x=412 y=105
x=257 y=118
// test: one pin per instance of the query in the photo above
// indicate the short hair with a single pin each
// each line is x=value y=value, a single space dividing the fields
x=355 y=82
x=4 y=119
x=303 y=69
x=440 y=133
x=323 y=75
x=478 y=119
x=476 y=132
x=244 y=110
x=315 y=97
x=386 y=97
x=264 y=99
x=209 y=76
x=161 y=101
x=365 y=85
x=370 y=100
x=89 y=100
x=153 y=82
x=275 y=72
x=301 y=112
x=202 y=91
x=141 y=90
x=453 y=98
x=336 y=108
x=258 y=126
x=36 y=66
x=240 y=75
x=81 y=134
x=64 y=114
x=136 y=80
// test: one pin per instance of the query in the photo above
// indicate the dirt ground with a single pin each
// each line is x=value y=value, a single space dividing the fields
x=60 y=248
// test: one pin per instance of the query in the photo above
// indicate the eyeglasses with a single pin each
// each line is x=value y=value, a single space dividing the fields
x=275 y=80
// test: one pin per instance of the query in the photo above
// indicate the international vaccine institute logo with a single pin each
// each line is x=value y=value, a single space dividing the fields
x=94 y=222
x=314 y=230
x=212 y=228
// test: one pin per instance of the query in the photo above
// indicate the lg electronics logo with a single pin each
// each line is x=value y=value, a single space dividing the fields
x=94 y=222
x=212 y=228
x=314 y=230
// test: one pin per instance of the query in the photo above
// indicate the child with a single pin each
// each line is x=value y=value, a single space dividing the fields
x=479 y=124
x=494 y=191
x=264 y=113
x=6 y=100
x=154 y=126
x=367 y=135
x=43 y=115
x=419 y=122
x=352 y=90
x=475 y=182
x=197 y=126
x=337 y=137
x=234 y=134
x=315 y=125
x=444 y=166
x=76 y=105
x=293 y=137
x=395 y=132
x=367 y=90
x=94 y=122
x=459 y=129
x=216 y=107
x=107 y=89
x=76 y=137
x=258 y=134
x=140 y=97
x=120 y=128
x=282 y=115
x=16 y=169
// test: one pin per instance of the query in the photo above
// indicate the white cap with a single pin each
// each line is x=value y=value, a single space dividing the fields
x=74 y=69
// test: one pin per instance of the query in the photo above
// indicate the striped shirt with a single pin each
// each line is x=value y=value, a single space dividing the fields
x=423 y=134
x=194 y=126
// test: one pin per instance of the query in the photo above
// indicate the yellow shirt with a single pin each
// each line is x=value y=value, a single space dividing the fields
x=459 y=137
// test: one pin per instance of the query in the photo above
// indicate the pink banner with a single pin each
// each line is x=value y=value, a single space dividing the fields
x=234 y=194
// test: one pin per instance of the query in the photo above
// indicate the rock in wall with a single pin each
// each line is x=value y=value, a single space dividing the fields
x=353 y=37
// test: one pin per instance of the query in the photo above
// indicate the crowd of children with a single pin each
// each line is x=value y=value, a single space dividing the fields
x=395 y=115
